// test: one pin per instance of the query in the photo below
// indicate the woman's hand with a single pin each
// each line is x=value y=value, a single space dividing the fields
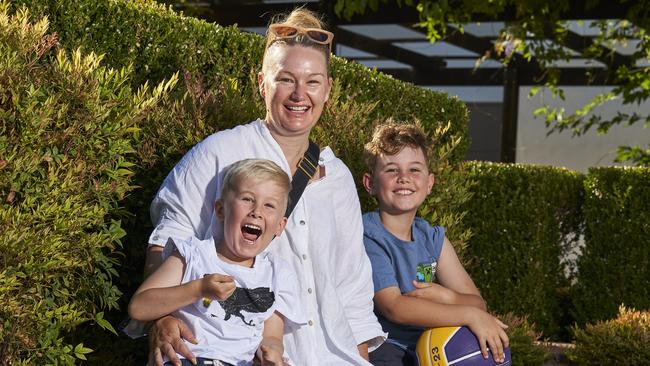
x=216 y=286
x=166 y=338
x=271 y=355
x=490 y=333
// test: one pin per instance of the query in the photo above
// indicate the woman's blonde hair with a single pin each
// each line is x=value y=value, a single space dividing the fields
x=299 y=17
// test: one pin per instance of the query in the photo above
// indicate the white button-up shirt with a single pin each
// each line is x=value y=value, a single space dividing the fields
x=323 y=240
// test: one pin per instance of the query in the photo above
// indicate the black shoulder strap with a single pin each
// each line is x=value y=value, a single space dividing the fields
x=307 y=167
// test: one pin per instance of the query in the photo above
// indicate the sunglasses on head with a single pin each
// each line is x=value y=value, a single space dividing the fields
x=284 y=31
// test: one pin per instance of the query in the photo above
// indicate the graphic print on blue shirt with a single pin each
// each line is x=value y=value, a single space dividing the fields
x=255 y=300
x=426 y=271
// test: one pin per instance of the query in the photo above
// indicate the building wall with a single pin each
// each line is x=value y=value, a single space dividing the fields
x=576 y=153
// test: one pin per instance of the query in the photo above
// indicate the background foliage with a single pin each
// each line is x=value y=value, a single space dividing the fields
x=623 y=341
x=524 y=219
x=614 y=268
x=66 y=126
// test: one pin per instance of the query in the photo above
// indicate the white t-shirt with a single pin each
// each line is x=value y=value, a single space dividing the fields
x=322 y=241
x=231 y=330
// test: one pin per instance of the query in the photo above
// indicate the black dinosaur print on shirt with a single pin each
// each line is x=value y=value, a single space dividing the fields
x=252 y=300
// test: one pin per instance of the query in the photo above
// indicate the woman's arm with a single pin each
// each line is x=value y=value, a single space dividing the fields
x=456 y=287
x=271 y=348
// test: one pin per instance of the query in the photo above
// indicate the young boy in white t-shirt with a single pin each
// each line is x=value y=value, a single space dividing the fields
x=253 y=290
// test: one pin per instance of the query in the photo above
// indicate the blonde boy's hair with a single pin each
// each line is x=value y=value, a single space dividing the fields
x=300 y=17
x=390 y=138
x=256 y=170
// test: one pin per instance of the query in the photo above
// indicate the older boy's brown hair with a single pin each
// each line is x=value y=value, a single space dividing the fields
x=390 y=138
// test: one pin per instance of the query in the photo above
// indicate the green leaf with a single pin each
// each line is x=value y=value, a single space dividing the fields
x=99 y=319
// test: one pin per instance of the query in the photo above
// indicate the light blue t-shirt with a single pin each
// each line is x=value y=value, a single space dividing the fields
x=397 y=263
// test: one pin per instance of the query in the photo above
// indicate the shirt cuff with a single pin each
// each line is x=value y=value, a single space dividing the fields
x=165 y=230
x=372 y=338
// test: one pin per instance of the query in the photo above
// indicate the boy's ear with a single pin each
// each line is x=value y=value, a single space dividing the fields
x=260 y=83
x=218 y=209
x=281 y=226
x=432 y=180
x=368 y=183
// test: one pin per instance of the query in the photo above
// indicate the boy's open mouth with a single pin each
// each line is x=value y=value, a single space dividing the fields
x=251 y=232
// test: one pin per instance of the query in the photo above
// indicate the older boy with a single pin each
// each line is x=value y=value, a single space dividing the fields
x=255 y=292
x=403 y=248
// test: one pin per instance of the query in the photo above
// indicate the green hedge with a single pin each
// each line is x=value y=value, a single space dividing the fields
x=66 y=131
x=614 y=268
x=523 y=219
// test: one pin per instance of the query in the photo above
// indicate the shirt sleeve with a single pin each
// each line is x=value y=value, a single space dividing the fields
x=354 y=274
x=183 y=205
x=437 y=234
x=383 y=272
x=287 y=295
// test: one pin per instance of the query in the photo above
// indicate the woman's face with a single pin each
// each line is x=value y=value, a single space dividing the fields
x=295 y=86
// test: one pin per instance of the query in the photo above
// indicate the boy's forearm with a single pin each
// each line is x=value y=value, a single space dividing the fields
x=426 y=313
x=155 y=303
x=470 y=300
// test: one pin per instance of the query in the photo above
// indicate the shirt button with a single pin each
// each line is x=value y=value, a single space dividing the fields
x=310 y=322
x=302 y=222
x=304 y=256
x=309 y=290
x=155 y=237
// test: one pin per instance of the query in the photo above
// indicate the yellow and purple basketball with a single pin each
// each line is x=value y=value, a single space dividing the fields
x=456 y=346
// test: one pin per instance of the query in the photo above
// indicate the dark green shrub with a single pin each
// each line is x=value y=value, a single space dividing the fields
x=622 y=341
x=614 y=268
x=524 y=340
x=523 y=219
x=66 y=126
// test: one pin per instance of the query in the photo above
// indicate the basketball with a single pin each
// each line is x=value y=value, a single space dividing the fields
x=456 y=346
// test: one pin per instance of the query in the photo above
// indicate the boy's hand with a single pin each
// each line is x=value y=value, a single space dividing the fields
x=490 y=333
x=216 y=286
x=271 y=356
x=433 y=292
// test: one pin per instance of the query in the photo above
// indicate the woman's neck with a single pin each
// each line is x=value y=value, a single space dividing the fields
x=293 y=148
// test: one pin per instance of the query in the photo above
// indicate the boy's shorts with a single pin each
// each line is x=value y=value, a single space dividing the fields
x=389 y=354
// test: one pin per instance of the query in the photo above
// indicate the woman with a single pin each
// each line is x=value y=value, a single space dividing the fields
x=323 y=237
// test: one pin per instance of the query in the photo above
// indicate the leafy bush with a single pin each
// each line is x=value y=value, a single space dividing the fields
x=66 y=126
x=614 y=267
x=523 y=220
x=523 y=341
x=622 y=341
